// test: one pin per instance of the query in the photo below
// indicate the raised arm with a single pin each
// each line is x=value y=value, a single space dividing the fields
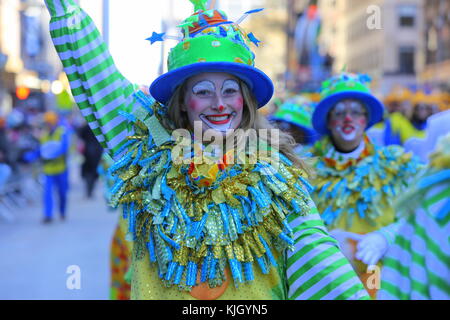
x=317 y=269
x=99 y=89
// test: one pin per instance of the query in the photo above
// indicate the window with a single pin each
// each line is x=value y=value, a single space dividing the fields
x=406 y=60
x=407 y=15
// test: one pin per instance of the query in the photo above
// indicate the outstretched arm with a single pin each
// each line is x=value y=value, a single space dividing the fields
x=99 y=89
x=317 y=269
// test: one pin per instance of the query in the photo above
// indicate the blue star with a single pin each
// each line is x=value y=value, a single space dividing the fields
x=156 y=37
x=253 y=39
x=365 y=78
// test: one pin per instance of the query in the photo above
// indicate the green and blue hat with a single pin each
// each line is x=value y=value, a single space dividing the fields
x=211 y=43
x=346 y=86
x=297 y=110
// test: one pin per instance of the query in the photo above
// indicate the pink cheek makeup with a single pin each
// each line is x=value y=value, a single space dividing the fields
x=362 y=122
x=239 y=103
x=194 y=105
x=334 y=123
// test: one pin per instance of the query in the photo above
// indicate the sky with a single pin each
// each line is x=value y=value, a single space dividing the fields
x=131 y=22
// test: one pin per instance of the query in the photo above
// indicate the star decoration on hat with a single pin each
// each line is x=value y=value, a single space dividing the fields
x=156 y=37
x=253 y=39
x=199 y=5
x=364 y=78
x=185 y=26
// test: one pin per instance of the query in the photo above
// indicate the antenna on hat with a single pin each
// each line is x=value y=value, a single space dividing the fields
x=161 y=37
x=247 y=14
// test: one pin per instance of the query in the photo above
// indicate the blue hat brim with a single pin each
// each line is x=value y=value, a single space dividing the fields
x=311 y=134
x=259 y=83
x=374 y=107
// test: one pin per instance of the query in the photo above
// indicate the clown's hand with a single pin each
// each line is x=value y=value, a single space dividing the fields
x=344 y=245
x=371 y=248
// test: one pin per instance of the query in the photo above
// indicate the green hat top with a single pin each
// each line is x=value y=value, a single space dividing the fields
x=208 y=36
x=211 y=43
x=297 y=110
x=345 y=82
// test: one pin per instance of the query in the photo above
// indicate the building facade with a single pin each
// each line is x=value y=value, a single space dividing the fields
x=435 y=70
x=379 y=37
x=28 y=60
x=308 y=61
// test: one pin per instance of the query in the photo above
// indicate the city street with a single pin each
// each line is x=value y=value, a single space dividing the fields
x=39 y=261
x=351 y=96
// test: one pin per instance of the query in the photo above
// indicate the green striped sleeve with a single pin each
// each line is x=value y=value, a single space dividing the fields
x=59 y=8
x=417 y=265
x=98 y=88
x=316 y=269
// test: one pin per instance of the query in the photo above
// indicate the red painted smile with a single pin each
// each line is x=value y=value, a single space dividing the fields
x=347 y=129
x=219 y=118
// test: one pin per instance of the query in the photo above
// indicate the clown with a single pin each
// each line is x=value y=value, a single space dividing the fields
x=416 y=265
x=204 y=227
x=294 y=116
x=356 y=181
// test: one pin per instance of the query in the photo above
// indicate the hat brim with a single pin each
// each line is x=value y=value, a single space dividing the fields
x=311 y=134
x=259 y=83
x=374 y=108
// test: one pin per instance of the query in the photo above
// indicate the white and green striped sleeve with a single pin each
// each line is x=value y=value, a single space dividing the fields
x=99 y=89
x=317 y=269
x=417 y=265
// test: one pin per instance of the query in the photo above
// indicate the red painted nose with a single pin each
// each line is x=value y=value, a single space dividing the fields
x=221 y=108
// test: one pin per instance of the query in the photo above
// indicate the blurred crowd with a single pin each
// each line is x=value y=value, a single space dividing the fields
x=405 y=120
x=26 y=158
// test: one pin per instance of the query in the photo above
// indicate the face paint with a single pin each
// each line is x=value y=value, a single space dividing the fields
x=230 y=87
x=348 y=121
x=362 y=122
x=204 y=89
x=193 y=105
x=216 y=100
x=347 y=132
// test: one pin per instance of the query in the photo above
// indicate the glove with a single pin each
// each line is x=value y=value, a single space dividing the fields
x=344 y=245
x=371 y=248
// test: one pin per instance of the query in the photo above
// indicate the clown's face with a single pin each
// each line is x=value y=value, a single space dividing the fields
x=347 y=122
x=215 y=101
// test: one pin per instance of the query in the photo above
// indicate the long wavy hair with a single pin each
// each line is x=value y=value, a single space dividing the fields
x=251 y=119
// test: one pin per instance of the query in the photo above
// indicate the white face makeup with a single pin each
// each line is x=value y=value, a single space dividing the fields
x=348 y=121
x=348 y=133
x=216 y=100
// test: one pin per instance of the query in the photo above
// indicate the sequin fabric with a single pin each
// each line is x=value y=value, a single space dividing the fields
x=236 y=220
